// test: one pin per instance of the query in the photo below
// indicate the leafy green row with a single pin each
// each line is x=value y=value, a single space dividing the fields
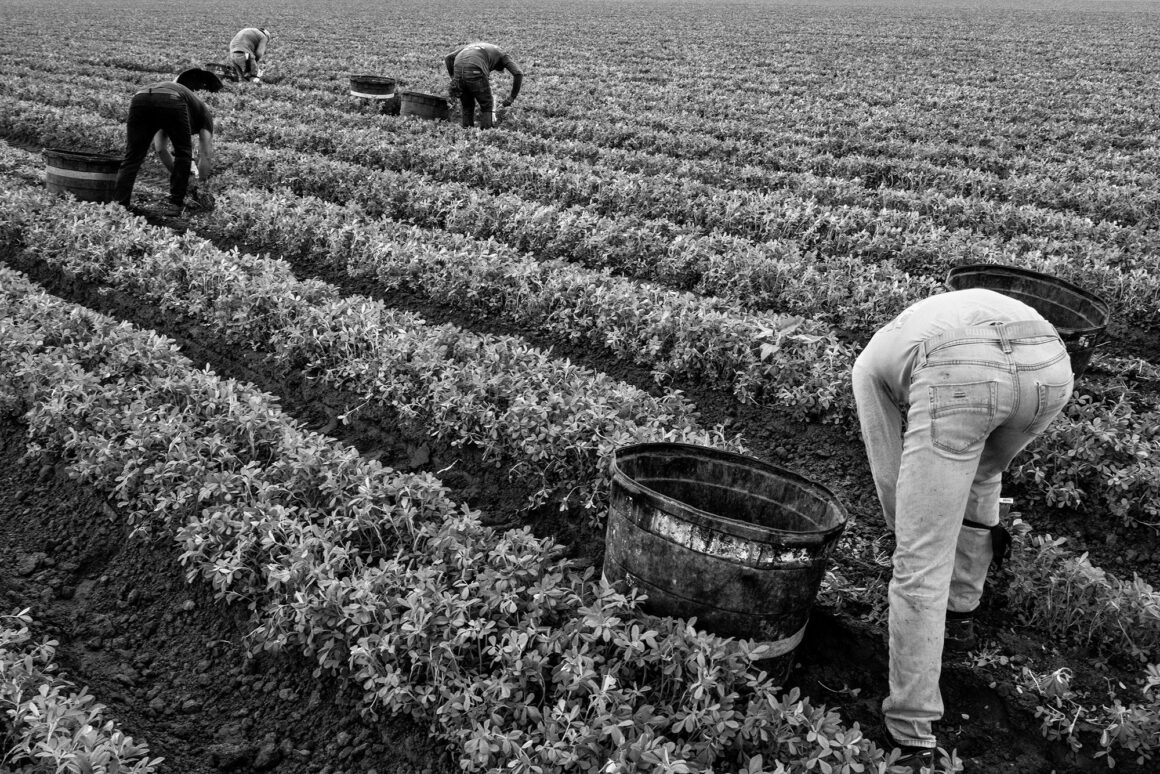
x=840 y=288
x=552 y=423
x=1096 y=448
x=790 y=362
x=515 y=658
x=46 y=724
x=1101 y=456
x=825 y=230
x=844 y=291
x=860 y=165
x=1071 y=599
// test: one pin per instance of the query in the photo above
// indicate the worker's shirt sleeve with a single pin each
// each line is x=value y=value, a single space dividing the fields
x=510 y=65
x=449 y=60
x=260 y=51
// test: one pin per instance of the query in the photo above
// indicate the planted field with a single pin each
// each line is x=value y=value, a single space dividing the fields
x=317 y=481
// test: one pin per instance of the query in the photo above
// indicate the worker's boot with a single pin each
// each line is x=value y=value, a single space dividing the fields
x=959 y=635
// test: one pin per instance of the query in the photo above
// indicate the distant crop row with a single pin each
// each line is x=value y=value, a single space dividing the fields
x=655 y=226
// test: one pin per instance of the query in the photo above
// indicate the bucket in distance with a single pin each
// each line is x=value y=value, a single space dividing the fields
x=431 y=106
x=90 y=177
x=372 y=87
x=1081 y=317
x=740 y=544
x=223 y=70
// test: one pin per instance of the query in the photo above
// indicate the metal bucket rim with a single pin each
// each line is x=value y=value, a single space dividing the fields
x=1019 y=271
x=745 y=529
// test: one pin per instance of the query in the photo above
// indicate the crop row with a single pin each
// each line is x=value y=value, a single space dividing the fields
x=514 y=657
x=856 y=160
x=776 y=360
x=377 y=572
x=1099 y=457
x=760 y=276
x=47 y=723
x=809 y=222
x=551 y=422
x=840 y=289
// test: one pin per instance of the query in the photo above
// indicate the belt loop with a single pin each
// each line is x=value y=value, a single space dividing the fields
x=1004 y=342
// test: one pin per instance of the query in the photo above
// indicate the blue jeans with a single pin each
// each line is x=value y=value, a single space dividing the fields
x=978 y=396
x=474 y=86
x=245 y=64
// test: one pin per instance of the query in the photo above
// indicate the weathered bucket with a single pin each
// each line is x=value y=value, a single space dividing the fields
x=224 y=70
x=90 y=177
x=738 y=543
x=414 y=103
x=372 y=87
x=1081 y=317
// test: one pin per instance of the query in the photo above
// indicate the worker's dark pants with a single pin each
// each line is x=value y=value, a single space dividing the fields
x=245 y=64
x=475 y=86
x=150 y=112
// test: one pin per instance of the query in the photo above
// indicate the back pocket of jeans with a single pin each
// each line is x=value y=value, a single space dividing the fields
x=961 y=415
x=1050 y=400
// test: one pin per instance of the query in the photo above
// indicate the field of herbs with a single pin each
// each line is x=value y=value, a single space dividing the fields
x=316 y=481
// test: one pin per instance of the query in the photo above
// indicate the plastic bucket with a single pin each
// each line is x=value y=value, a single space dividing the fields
x=414 y=103
x=738 y=543
x=372 y=87
x=1080 y=317
x=90 y=177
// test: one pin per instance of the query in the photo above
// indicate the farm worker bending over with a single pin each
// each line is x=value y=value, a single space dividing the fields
x=976 y=375
x=247 y=49
x=470 y=68
x=163 y=110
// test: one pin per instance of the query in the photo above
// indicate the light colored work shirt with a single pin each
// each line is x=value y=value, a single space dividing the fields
x=251 y=40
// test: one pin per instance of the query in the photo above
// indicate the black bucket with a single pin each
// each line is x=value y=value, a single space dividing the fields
x=90 y=177
x=373 y=87
x=200 y=79
x=430 y=106
x=740 y=544
x=223 y=70
x=1080 y=317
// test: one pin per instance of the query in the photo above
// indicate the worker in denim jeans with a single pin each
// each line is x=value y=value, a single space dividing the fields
x=470 y=68
x=246 y=51
x=973 y=376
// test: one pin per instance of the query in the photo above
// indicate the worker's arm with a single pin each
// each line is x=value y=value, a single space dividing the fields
x=205 y=157
x=449 y=60
x=161 y=145
x=517 y=80
x=261 y=49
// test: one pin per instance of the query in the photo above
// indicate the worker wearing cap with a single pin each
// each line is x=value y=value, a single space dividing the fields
x=159 y=111
x=973 y=376
x=246 y=51
x=470 y=68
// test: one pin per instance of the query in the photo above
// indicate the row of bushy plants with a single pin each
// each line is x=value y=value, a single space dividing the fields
x=47 y=724
x=550 y=423
x=515 y=657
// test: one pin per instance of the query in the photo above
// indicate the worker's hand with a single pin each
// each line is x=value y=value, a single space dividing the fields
x=507 y=102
